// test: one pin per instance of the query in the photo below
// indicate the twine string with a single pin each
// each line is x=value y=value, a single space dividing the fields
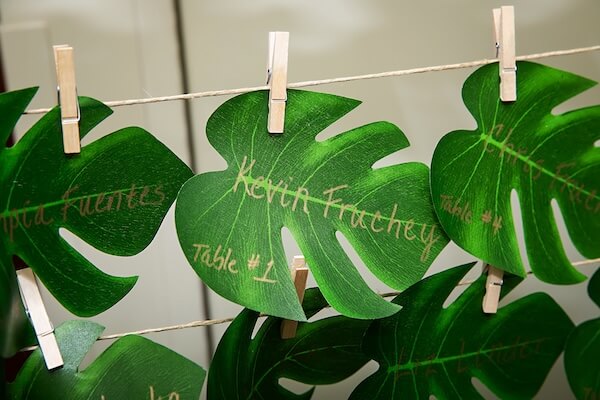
x=212 y=93
x=209 y=322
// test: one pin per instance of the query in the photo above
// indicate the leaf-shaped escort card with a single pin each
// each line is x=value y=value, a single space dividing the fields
x=131 y=368
x=113 y=195
x=582 y=353
x=229 y=223
x=522 y=146
x=427 y=350
x=322 y=352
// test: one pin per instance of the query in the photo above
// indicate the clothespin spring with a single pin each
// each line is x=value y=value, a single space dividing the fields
x=69 y=120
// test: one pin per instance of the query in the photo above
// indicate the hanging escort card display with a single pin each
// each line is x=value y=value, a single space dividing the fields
x=522 y=146
x=229 y=223
x=322 y=352
x=114 y=193
x=426 y=349
x=44 y=190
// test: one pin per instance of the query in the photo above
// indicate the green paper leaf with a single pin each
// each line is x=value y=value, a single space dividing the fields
x=229 y=222
x=113 y=195
x=594 y=288
x=131 y=368
x=322 y=352
x=583 y=352
x=428 y=350
x=522 y=146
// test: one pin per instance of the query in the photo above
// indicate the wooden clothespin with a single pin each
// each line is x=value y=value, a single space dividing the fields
x=34 y=306
x=67 y=98
x=504 y=30
x=277 y=79
x=299 y=276
x=493 y=286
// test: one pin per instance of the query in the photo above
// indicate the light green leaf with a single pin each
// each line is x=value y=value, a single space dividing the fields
x=113 y=195
x=229 y=223
x=131 y=368
x=582 y=353
x=522 y=146
x=322 y=352
x=427 y=350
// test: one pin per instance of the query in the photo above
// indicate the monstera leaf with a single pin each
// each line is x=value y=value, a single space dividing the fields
x=428 y=350
x=522 y=146
x=322 y=352
x=229 y=223
x=113 y=195
x=583 y=352
x=131 y=368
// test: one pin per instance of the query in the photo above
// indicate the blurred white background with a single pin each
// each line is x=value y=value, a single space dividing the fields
x=130 y=49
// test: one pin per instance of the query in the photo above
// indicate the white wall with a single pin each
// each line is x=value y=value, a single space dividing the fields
x=125 y=49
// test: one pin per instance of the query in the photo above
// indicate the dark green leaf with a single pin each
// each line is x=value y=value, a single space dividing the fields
x=594 y=288
x=229 y=223
x=3 y=383
x=113 y=195
x=582 y=353
x=131 y=368
x=427 y=350
x=323 y=352
x=522 y=146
